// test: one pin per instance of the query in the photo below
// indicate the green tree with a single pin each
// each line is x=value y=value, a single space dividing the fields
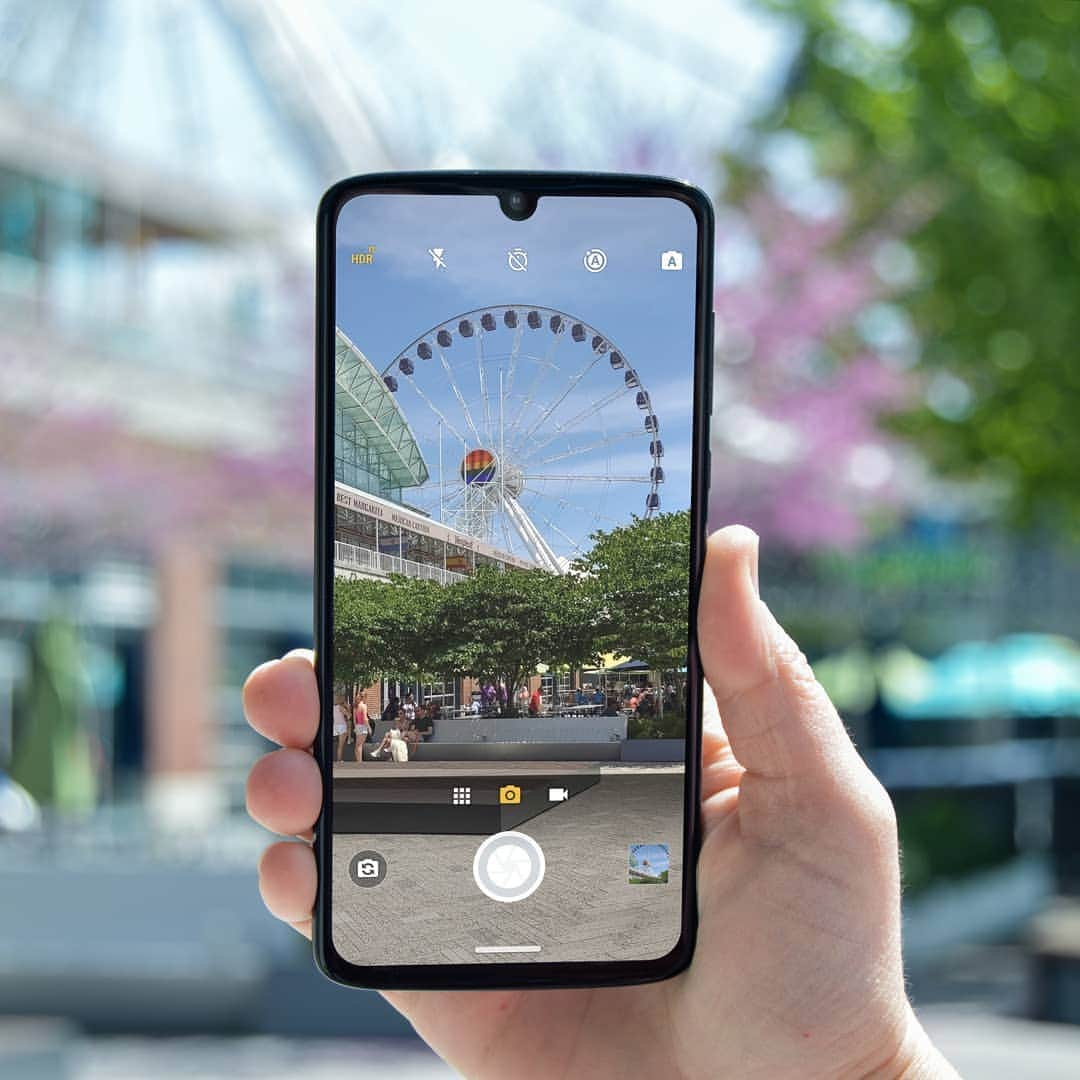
x=959 y=123
x=53 y=753
x=574 y=605
x=639 y=577
x=387 y=630
x=501 y=624
x=411 y=622
x=360 y=645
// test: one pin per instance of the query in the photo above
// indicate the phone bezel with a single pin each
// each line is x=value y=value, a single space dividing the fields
x=541 y=184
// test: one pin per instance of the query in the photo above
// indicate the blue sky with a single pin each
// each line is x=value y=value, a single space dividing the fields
x=647 y=313
x=656 y=854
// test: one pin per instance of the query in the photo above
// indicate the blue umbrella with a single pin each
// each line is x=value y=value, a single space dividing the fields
x=1022 y=674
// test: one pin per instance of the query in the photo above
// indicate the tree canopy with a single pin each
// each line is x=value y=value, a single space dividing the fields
x=628 y=595
x=640 y=575
x=960 y=124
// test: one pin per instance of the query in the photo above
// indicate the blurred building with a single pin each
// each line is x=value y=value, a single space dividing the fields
x=155 y=406
x=159 y=165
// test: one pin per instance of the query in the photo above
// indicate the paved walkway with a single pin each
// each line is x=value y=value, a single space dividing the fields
x=993 y=1047
x=979 y=1043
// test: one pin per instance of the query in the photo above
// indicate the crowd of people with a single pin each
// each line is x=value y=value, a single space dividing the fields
x=493 y=699
x=642 y=699
x=410 y=724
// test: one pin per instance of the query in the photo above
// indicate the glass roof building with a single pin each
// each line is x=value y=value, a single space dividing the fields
x=374 y=449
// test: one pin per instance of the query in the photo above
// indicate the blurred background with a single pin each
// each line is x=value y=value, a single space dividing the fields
x=897 y=386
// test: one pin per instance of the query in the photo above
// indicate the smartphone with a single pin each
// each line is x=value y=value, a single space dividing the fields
x=513 y=392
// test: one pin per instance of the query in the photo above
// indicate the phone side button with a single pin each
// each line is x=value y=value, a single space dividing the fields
x=710 y=360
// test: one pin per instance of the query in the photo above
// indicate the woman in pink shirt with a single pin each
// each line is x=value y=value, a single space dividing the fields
x=361 y=727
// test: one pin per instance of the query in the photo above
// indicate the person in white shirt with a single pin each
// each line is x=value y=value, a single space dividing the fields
x=341 y=727
x=394 y=742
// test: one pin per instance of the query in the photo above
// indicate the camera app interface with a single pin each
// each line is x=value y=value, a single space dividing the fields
x=512 y=456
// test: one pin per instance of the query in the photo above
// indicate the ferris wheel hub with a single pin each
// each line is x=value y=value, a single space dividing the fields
x=479 y=467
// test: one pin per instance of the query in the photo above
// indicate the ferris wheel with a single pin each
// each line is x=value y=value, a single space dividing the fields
x=536 y=429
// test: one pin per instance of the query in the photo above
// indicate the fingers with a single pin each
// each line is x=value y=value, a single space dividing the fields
x=281 y=700
x=284 y=792
x=287 y=883
x=284 y=788
x=778 y=719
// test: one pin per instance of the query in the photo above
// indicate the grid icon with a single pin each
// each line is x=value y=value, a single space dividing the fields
x=461 y=796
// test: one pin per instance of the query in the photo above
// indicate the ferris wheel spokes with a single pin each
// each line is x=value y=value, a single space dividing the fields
x=460 y=399
x=541 y=550
x=436 y=410
x=548 y=361
x=555 y=528
x=597 y=478
x=483 y=383
x=515 y=350
x=592 y=409
x=574 y=380
x=589 y=447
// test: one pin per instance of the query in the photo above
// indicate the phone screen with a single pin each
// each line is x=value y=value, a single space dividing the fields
x=512 y=459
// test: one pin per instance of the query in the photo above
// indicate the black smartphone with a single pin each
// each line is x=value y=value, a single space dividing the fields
x=512 y=465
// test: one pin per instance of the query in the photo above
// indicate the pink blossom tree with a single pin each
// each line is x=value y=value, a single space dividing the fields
x=799 y=452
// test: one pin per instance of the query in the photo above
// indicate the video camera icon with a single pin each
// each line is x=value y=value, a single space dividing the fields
x=558 y=794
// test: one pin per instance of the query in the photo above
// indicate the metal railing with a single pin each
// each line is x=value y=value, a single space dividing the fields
x=351 y=557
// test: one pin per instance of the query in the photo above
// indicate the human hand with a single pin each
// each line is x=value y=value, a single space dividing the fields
x=797 y=970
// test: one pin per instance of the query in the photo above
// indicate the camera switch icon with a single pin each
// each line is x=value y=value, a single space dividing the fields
x=367 y=868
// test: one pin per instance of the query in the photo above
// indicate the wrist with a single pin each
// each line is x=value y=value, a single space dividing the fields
x=917 y=1058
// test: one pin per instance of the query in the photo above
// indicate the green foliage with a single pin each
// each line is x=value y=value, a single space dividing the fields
x=670 y=725
x=502 y=624
x=491 y=625
x=960 y=125
x=384 y=630
x=412 y=643
x=947 y=834
x=662 y=880
x=629 y=595
x=640 y=575
x=360 y=617
x=53 y=755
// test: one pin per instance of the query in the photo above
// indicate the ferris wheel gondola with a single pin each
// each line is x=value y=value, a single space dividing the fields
x=533 y=424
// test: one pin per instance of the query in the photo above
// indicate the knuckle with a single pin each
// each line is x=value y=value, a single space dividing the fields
x=873 y=816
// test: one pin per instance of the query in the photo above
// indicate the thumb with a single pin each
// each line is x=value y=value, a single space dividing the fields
x=778 y=718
